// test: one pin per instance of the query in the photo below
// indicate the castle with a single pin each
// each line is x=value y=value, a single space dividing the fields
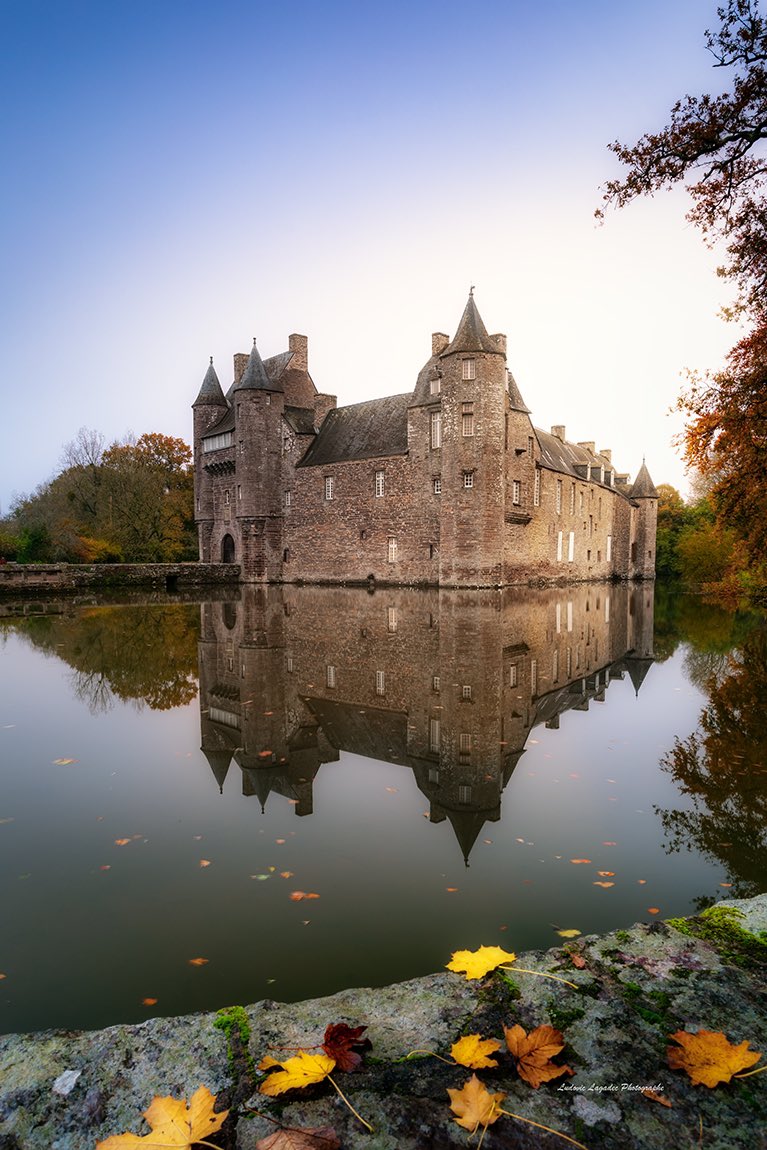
x=449 y=484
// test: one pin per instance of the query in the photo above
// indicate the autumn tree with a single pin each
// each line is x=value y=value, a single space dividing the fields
x=715 y=147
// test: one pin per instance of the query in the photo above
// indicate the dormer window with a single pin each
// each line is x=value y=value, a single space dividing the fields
x=469 y=369
x=435 y=385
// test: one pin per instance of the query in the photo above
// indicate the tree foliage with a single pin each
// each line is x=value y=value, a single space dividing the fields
x=715 y=146
x=131 y=501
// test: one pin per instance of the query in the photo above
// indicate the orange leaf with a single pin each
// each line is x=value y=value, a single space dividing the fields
x=577 y=861
x=655 y=1097
x=709 y=1057
x=578 y=961
x=198 y=961
x=653 y=910
x=533 y=1053
x=605 y=884
x=148 y=1001
x=204 y=862
x=474 y=1106
x=451 y=889
x=301 y=1138
x=300 y=895
x=606 y=873
x=173 y=1124
x=122 y=842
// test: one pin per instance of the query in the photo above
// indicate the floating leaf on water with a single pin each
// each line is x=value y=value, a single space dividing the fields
x=572 y=933
x=65 y=762
x=580 y=861
x=149 y=1001
x=204 y=862
x=286 y=874
x=198 y=961
x=122 y=842
x=606 y=873
x=604 y=884
x=653 y=910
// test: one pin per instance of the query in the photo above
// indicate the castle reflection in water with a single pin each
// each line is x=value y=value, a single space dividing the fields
x=447 y=683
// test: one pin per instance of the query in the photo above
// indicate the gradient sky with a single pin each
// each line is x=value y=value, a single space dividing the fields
x=181 y=175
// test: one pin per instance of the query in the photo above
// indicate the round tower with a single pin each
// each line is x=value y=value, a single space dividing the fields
x=209 y=409
x=644 y=524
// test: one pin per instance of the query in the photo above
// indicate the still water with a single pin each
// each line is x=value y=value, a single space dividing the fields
x=429 y=770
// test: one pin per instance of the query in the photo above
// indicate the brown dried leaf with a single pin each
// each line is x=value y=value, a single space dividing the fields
x=295 y=1138
x=533 y=1053
x=339 y=1043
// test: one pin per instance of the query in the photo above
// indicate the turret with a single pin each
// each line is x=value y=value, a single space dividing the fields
x=209 y=408
x=644 y=523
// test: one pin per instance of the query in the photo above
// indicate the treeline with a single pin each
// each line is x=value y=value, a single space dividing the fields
x=130 y=502
x=696 y=547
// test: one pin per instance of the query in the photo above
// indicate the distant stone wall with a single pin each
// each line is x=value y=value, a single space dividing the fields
x=59 y=578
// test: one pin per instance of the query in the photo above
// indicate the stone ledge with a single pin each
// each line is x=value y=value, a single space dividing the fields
x=636 y=987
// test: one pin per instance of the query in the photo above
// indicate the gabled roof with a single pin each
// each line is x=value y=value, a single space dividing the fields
x=369 y=430
x=515 y=396
x=255 y=376
x=211 y=393
x=560 y=455
x=472 y=333
x=643 y=486
x=301 y=419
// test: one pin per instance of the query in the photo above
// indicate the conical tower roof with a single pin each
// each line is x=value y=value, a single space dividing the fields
x=643 y=486
x=211 y=393
x=472 y=333
x=255 y=377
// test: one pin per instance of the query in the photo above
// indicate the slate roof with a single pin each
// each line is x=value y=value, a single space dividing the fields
x=643 y=486
x=301 y=419
x=369 y=430
x=472 y=333
x=560 y=455
x=255 y=377
x=515 y=395
x=210 y=391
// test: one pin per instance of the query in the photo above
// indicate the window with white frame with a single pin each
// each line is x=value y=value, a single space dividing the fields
x=464 y=794
x=391 y=549
x=467 y=419
x=571 y=547
x=464 y=742
x=435 y=734
x=609 y=548
x=466 y=691
x=469 y=369
x=435 y=429
x=559 y=497
x=391 y=619
x=287 y=499
x=328 y=486
x=572 y=499
x=380 y=682
x=379 y=484
x=513 y=675
x=537 y=488
x=559 y=546
x=435 y=682
x=516 y=492
x=330 y=676
x=468 y=478
x=435 y=385
x=436 y=485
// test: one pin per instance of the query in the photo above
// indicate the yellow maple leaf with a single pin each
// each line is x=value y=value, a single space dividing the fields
x=174 y=1124
x=477 y=963
x=302 y=1070
x=474 y=1106
x=533 y=1053
x=472 y=1050
x=568 y=933
x=709 y=1057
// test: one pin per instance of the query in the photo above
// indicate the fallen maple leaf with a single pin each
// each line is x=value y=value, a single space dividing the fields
x=578 y=960
x=198 y=961
x=472 y=1050
x=533 y=1053
x=606 y=873
x=477 y=963
x=299 y=895
x=303 y=1069
x=148 y=1001
x=474 y=1106
x=173 y=1123
x=603 y=884
x=122 y=842
x=296 y=1138
x=577 y=861
x=204 y=862
x=568 y=933
x=339 y=1043
x=653 y=910
x=709 y=1057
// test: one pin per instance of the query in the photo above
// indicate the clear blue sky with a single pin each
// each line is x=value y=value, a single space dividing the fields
x=181 y=175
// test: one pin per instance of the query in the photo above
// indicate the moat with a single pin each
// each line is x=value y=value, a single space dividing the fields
x=313 y=788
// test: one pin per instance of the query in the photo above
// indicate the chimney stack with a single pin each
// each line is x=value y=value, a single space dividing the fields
x=559 y=431
x=299 y=345
x=439 y=342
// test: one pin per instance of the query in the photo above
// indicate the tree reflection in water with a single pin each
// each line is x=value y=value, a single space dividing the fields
x=722 y=767
x=142 y=653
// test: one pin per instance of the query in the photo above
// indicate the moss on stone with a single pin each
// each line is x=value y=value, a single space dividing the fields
x=234 y=1022
x=719 y=925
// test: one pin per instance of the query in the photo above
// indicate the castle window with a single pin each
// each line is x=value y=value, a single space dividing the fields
x=464 y=742
x=435 y=425
x=572 y=499
x=580 y=503
x=437 y=485
x=214 y=442
x=433 y=774
x=435 y=732
x=286 y=555
x=435 y=385
x=467 y=419
x=559 y=497
x=363 y=534
x=328 y=486
x=469 y=369
x=537 y=489
x=391 y=619
x=530 y=444
x=380 y=682
x=533 y=676
x=513 y=675
x=570 y=615
x=516 y=492
x=569 y=662
x=289 y=662
x=239 y=492
x=287 y=499
x=559 y=546
x=466 y=691
x=609 y=548
x=379 y=484
x=435 y=681
x=555 y=666
x=330 y=676
x=227 y=506
x=268 y=398
x=242 y=447
x=464 y=794
x=391 y=549
x=468 y=478
x=571 y=547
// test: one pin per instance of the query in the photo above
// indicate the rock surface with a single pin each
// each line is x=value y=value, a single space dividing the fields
x=63 y=1090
